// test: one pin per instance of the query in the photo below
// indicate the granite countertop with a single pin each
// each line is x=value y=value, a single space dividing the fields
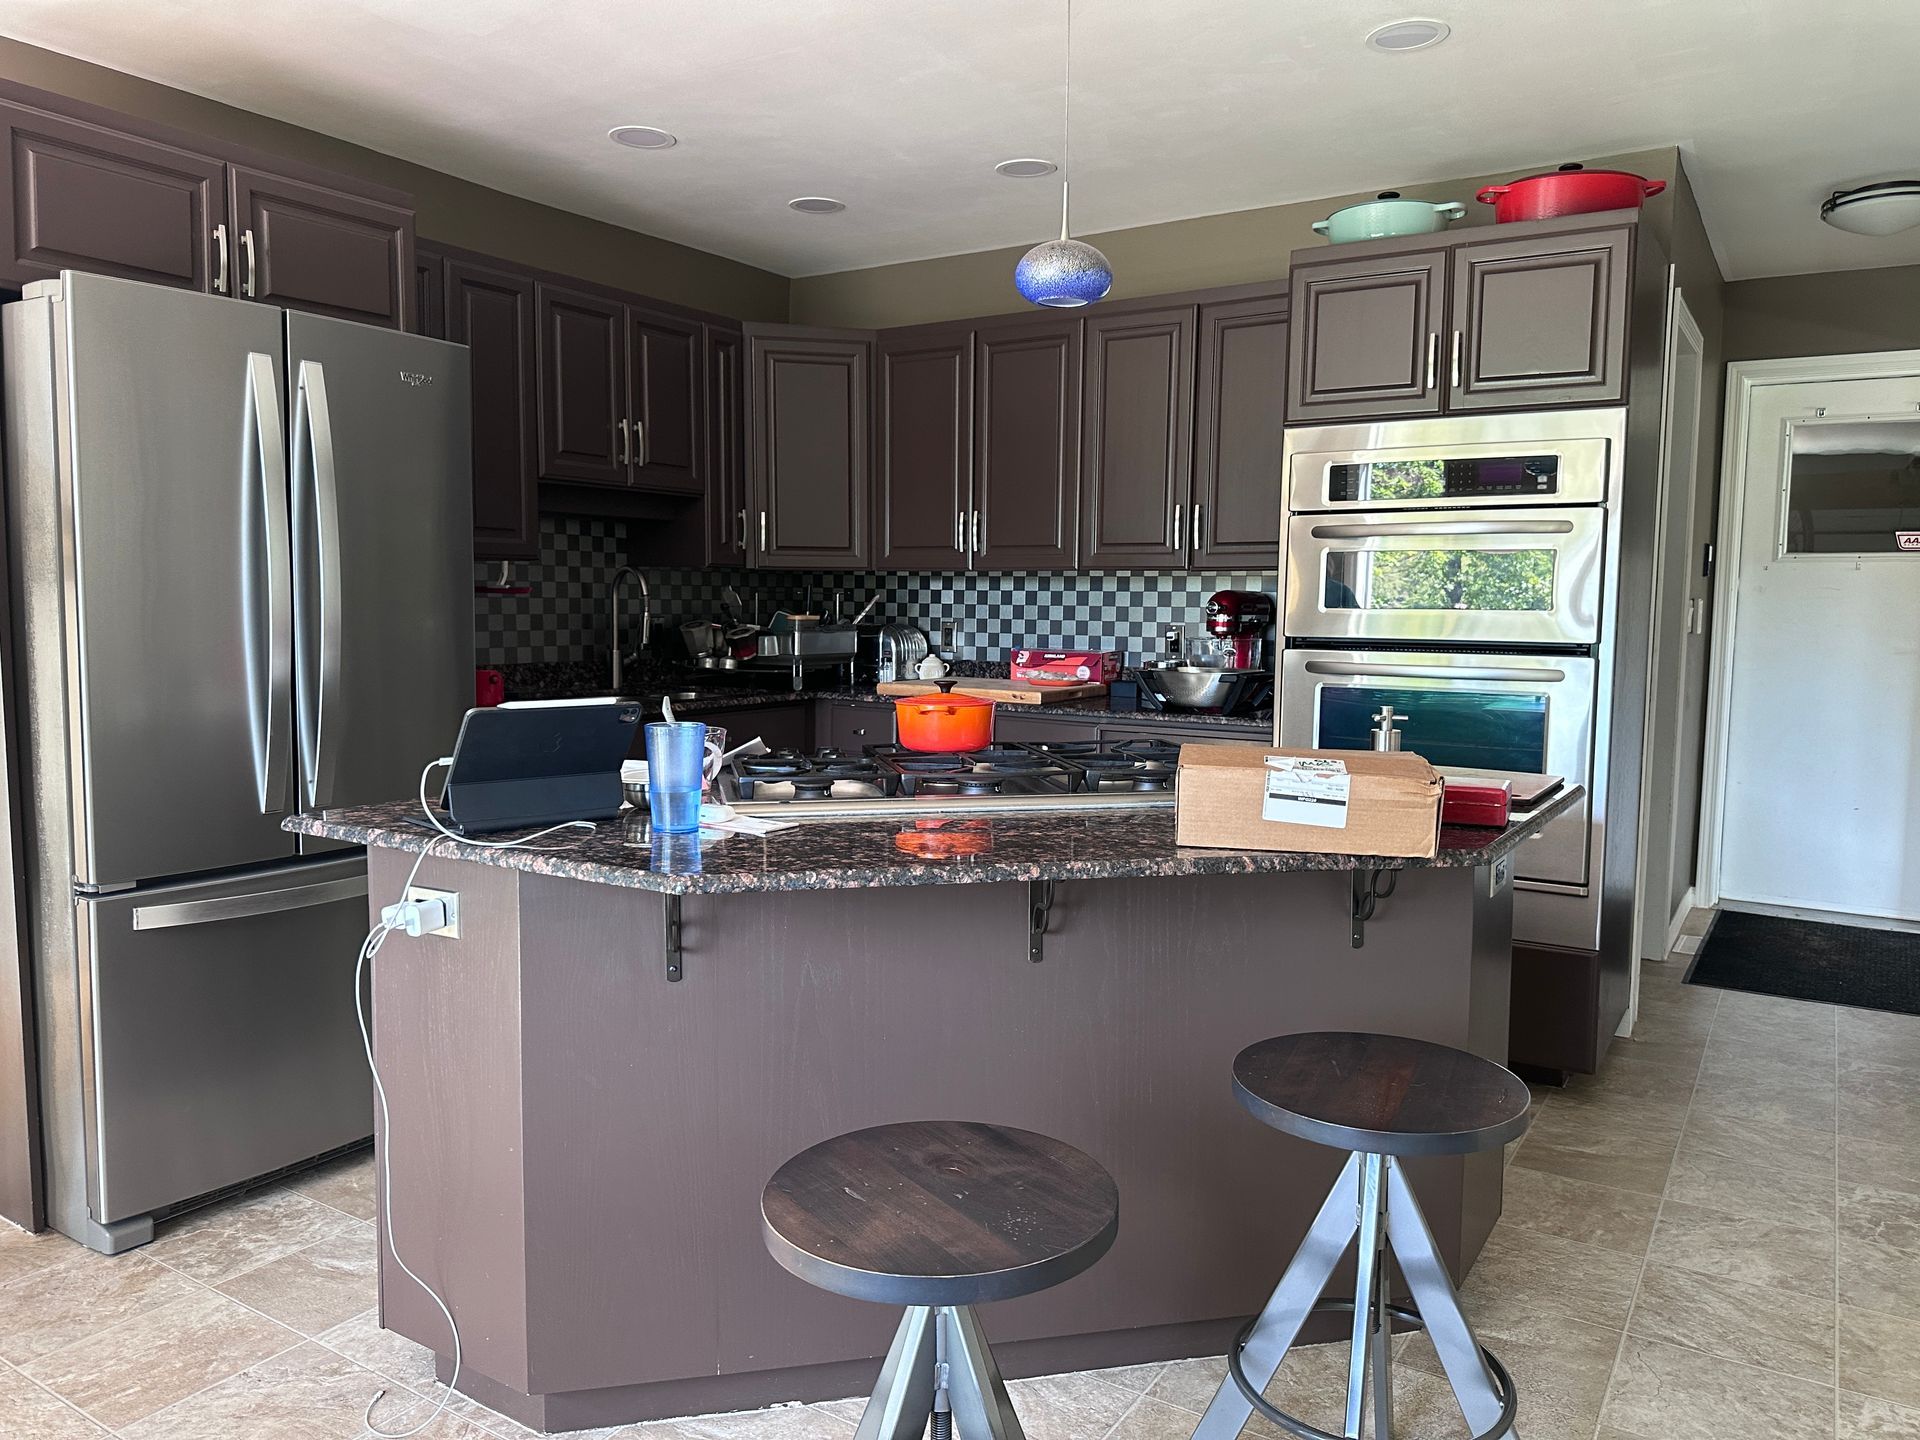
x=863 y=854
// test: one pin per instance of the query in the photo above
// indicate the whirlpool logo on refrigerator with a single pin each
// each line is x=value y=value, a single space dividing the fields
x=415 y=378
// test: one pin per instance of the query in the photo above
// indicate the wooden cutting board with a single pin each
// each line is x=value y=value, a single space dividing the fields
x=1004 y=692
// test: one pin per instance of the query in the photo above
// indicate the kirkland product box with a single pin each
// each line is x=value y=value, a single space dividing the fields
x=1065 y=667
x=1345 y=802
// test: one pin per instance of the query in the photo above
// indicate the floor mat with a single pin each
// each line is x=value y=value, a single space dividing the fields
x=1809 y=960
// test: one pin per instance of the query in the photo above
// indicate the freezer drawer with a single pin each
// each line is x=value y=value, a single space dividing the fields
x=223 y=1042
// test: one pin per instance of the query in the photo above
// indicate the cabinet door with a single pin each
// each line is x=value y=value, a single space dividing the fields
x=851 y=727
x=1540 y=321
x=1136 y=460
x=1239 y=423
x=310 y=247
x=726 y=519
x=429 y=293
x=491 y=311
x=583 y=387
x=923 y=450
x=664 y=366
x=808 y=440
x=1041 y=729
x=1366 y=337
x=79 y=197
x=1026 y=476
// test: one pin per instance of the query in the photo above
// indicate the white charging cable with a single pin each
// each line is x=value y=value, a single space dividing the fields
x=405 y=915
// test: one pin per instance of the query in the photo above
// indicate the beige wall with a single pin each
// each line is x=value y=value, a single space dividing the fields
x=1839 y=312
x=1248 y=245
x=455 y=211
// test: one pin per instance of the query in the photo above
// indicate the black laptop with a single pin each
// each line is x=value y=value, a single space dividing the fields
x=538 y=762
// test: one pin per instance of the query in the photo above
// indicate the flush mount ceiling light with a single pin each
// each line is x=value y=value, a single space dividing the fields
x=816 y=205
x=642 y=137
x=1065 y=273
x=1884 y=208
x=1409 y=35
x=1026 y=168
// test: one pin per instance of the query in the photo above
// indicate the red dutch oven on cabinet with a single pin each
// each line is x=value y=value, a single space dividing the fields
x=1570 y=190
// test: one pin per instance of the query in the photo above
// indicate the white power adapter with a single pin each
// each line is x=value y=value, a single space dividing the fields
x=425 y=912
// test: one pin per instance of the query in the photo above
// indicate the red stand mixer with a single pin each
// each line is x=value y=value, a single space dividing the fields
x=1242 y=617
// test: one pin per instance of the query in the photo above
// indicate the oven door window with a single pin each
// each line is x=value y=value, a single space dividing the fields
x=1473 y=729
x=1483 y=581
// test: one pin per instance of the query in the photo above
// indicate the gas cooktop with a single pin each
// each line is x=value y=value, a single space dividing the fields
x=888 y=780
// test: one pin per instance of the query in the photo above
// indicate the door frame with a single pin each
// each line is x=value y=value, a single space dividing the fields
x=1744 y=379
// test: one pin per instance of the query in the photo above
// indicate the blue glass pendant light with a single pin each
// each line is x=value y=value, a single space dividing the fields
x=1064 y=273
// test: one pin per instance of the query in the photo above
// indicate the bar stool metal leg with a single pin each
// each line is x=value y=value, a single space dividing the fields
x=903 y=1395
x=982 y=1409
x=1369 y=1358
x=939 y=1359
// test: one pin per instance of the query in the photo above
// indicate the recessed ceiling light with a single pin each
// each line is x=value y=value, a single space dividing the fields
x=642 y=137
x=816 y=204
x=1028 y=168
x=1409 y=35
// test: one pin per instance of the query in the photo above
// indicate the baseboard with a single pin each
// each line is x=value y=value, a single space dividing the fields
x=1678 y=923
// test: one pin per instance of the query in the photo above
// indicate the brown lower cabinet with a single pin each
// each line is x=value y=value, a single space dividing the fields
x=783 y=727
x=849 y=726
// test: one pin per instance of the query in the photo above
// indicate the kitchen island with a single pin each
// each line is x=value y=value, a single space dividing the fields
x=592 y=1082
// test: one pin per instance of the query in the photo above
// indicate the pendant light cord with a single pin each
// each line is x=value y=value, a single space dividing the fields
x=1066 y=126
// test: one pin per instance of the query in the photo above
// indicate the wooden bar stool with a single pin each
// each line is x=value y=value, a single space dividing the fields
x=1382 y=1097
x=939 y=1216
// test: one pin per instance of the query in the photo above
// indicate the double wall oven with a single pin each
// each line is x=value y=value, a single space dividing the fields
x=1462 y=571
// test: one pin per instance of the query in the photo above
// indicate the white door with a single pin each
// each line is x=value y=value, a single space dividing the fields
x=1820 y=765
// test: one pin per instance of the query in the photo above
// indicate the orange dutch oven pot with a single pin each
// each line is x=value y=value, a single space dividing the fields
x=943 y=723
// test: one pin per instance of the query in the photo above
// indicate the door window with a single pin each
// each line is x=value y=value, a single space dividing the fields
x=1852 y=486
x=1474 y=729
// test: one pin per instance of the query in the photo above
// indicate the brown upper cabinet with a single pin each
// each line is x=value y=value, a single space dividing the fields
x=923 y=449
x=1239 y=427
x=809 y=436
x=429 y=292
x=1530 y=321
x=726 y=517
x=1136 y=468
x=1026 y=476
x=490 y=309
x=312 y=247
x=82 y=188
x=622 y=393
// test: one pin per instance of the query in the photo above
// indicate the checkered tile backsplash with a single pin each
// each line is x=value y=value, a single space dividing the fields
x=566 y=617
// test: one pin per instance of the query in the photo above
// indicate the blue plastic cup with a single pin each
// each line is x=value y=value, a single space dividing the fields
x=676 y=774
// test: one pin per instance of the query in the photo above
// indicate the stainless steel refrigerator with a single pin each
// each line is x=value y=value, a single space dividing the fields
x=241 y=543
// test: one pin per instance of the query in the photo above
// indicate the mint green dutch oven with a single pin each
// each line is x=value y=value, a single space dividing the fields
x=1387 y=216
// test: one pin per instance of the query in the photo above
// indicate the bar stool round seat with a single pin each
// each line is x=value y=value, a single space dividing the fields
x=938 y=1216
x=1381 y=1094
x=1384 y=1099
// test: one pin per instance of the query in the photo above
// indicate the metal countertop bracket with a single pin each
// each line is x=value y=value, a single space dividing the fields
x=1039 y=908
x=674 y=952
x=1368 y=892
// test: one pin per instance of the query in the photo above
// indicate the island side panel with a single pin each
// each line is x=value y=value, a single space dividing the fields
x=655 y=1110
x=446 y=1029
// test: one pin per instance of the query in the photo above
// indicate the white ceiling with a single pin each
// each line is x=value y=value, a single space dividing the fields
x=901 y=107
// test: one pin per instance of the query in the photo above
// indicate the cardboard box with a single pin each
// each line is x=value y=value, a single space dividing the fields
x=1343 y=802
x=1065 y=667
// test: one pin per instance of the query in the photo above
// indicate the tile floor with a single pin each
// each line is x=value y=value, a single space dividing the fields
x=1717 y=1236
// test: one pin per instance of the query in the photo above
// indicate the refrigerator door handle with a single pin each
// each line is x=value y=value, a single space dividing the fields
x=320 y=658
x=239 y=907
x=271 y=692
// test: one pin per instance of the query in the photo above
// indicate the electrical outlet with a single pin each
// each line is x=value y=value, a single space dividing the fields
x=451 y=898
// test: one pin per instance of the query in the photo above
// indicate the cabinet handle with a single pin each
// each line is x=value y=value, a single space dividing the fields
x=639 y=442
x=1198 y=511
x=740 y=535
x=1179 y=531
x=220 y=254
x=763 y=532
x=621 y=452
x=976 y=532
x=960 y=530
x=1459 y=338
x=246 y=244
x=1433 y=356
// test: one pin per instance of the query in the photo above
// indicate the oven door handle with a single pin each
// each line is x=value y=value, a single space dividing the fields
x=1387 y=528
x=1449 y=671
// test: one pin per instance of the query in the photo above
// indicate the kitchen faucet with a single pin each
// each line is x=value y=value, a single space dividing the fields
x=646 y=615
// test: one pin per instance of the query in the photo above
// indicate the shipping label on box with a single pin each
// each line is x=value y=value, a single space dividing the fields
x=1302 y=790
